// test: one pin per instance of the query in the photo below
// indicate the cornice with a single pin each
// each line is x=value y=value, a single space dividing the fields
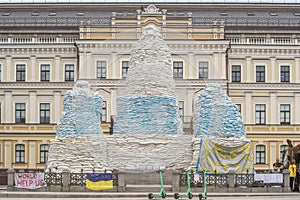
x=264 y=86
x=36 y=85
x=26 y=49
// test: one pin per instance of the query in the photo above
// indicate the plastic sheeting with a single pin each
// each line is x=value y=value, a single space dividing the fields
x=224 y=155
x=81 y=112
x=147 y=115
x=216 y=115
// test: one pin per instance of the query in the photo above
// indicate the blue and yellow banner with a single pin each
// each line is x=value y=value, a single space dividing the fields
x=101 y=181
x=224 y=154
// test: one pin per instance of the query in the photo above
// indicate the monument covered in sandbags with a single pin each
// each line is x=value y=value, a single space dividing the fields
x=149 y=105
x=220 y=144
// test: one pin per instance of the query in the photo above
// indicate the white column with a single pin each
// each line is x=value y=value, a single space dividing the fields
x=249 y=109
x=223 y=66
x=297 y=70
x=216 y=66
x=56 y=111
x=8 y=107
x=273 y=152
x=273 y=70
x=193 y=67
x=273 y=109
x=81 y=71
x=113 y=99
x=88 y=66
x=32 y=108
x=248 y=70
x=113 y=65
x=9 y=69
x=8 y=152
x=57 y=70
x=32 y=157
x=33 y=69
x=189 y=102
x=295 y=113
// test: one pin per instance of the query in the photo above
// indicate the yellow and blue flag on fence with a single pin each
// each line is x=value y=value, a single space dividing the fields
x=101 y=181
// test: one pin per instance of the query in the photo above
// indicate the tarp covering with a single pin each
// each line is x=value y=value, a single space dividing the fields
x=222 y=155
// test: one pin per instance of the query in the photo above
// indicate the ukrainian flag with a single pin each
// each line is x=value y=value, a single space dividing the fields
x=101 y=181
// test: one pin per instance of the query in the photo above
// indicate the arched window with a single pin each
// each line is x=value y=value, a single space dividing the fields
x=44 y=148
x=260 y=154
x=20 y=153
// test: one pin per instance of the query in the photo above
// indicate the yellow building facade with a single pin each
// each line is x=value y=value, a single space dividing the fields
x=253 y=52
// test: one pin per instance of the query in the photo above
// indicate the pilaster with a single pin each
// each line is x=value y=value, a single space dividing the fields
x=248 y=70
x=57 y=69
x=33 y=68
x=114 y=65
x=7 y=162
x=32 y=107
x=216 y=66
x=248 y=109
x=273 y=69
x=273 y=109
x=32 y=157
x=273 y=155
x=297 y=107
x=8 y=107
x=57 y=104
x=9 y=69
x=297 y=70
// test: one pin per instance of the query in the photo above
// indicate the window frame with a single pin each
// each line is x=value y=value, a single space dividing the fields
x=103 y=115
x=260 y=74
x=286 y=119
x=45 y=73
x=125 y=69
x=236 y=75
x=44 y=112
x=259 y=119
x=203 y=69
x=100 y=71
x=178 y=70
x=21 y=73
x=20 y=153
x=44 y=153
x=285 y=74
x=260 y=155
x=22 y=113
x=69 y=74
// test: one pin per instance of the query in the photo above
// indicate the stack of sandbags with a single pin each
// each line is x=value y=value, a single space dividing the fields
x=147 y=115
x=216 y=116
x=81 y=112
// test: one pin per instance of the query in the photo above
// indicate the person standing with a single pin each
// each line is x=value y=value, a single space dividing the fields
x=293 y=170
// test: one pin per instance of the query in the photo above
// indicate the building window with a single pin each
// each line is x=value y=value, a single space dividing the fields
x=285 y=113
x=239 y=106
x=20 y=153
x=45 y=113
x=260 y=73
x=178 y=69
x=0 y=72
x=104 y=112
x=260 y=114
x=45 y=72
x=20 y=113
x=236 y=73
x=20 y=69
x=283 y=150
x=285 y=73
x=203 y=70
x=181 y=109
x=260 y=154
x=101 y=69
x=44 y=148
x=125 y=67
x=69 y=72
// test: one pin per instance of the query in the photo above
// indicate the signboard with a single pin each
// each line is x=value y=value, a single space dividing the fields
x=269 y=178
x=29 y=180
